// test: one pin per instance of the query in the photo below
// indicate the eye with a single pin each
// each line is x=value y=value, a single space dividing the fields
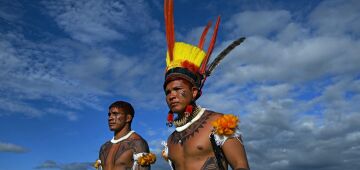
x=167 y=92
x=109 y=114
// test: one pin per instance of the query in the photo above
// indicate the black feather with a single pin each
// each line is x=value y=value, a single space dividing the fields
x=222 y=55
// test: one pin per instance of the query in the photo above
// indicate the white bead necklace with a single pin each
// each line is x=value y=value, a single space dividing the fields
x=197 y=117
x=113 y=140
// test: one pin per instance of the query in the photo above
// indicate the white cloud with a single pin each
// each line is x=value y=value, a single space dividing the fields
x=72 y=74
x=257 y=22
x=50 y=164
x=292 y=32
x=10 y=11
x=296 y=90
x=263 y=60
x=16 y=106
x=273 y=92
x=287 y=132
x=9 y=147
x=47 y=164
x=97 y=21
x=37 y=71
x=336 y=18
x=353 y=137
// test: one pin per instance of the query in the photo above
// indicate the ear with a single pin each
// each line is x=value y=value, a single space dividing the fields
x=195 y=92
x=128 y=118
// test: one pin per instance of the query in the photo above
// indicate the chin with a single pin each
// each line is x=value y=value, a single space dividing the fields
x=112 y=128
x=176 y=110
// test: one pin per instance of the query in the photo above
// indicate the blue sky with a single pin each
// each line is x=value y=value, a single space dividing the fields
x=294 y=82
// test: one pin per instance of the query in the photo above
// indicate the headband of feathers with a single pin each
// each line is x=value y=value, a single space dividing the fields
x=187 y=61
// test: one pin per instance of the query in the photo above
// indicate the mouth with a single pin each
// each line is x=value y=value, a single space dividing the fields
x=173 y=104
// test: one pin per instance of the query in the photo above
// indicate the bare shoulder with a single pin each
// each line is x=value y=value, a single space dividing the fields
x=138 y=143
x=104 y=149
x=214 y=115
x=105 y=146
x=136 y=136
x=170 y=136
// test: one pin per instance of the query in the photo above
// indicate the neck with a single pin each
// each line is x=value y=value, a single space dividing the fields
x=122 y=132
x=182 y=119
x=182 y=114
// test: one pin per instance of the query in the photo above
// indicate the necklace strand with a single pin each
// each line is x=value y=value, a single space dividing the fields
x=182 y=121
x=113 y=140
x=197 y=117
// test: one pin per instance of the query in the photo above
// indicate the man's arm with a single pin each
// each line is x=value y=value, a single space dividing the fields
x=234 y=152
x=141 y=146
x=103 y=152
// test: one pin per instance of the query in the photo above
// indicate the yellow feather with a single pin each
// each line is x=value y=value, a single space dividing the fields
x=184 y=52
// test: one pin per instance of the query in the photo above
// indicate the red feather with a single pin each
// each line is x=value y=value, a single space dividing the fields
x=211 y=47
x=203 y=35
x=189 y=109
x=170 y=117
x=169 y=25
x=190 y=66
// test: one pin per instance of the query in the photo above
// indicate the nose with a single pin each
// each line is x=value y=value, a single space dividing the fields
x=172 y=96
x=110 y=117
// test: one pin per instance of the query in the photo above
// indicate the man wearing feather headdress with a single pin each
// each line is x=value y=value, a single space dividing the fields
x=127 y=149
x=203 y=139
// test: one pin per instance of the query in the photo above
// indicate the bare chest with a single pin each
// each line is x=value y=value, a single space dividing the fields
x=196 y=144
x=118 y=156
x=191 y=144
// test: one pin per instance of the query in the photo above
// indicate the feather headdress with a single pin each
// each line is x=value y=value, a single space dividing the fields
x=187 y=61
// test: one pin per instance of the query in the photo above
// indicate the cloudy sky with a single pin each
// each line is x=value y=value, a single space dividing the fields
x=294 y=82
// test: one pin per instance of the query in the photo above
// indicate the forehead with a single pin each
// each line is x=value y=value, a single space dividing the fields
x=178 y=83
x=116 y=109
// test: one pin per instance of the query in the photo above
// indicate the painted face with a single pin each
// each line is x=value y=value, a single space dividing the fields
x=179 y=94
x=117 y=119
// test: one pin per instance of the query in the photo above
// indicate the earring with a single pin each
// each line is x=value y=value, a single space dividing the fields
x=170 y=119
x=188 y=110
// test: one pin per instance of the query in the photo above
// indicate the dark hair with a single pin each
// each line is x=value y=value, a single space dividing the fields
x=124 y=105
